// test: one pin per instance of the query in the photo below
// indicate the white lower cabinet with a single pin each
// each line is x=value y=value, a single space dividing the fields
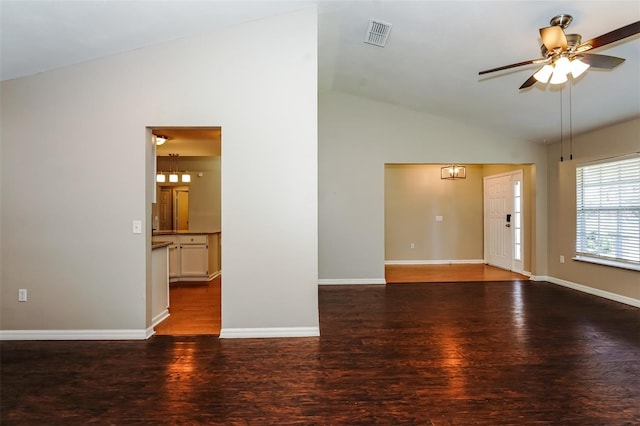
x=192 y=257
x=174 y=261
x=194 y=260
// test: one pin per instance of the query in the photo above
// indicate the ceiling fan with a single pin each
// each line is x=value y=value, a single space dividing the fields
x=564 y=54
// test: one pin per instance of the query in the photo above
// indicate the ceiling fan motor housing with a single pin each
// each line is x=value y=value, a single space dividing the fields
x=573 y=41
x=561 y=21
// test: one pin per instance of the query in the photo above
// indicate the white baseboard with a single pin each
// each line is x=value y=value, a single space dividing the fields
x=253 y=333
x=155 y=321
x=73 y=334
x=433 y=262
x=209 y=277
x=590 y=290
x=351 y=281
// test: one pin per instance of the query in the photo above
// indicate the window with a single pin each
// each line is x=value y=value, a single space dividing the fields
x=608 y=212
x=517 y=220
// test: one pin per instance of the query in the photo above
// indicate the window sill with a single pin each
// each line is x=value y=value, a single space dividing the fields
x=612 y=263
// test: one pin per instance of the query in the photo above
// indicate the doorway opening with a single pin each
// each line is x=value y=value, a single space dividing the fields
x=431 y=221
x=187 y=215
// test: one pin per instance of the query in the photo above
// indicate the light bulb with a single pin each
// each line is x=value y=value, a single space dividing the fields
x=578 y=67
x=558 y=77
x=543 y=74
x=563 y=66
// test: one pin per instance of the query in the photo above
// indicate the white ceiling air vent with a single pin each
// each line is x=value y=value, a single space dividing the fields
x=377 y=33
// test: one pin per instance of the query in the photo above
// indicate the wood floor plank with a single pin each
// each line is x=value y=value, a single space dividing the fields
x=448 y=273
x=489 y=353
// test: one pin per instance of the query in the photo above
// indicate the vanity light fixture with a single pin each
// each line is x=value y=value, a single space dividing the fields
x=453 y=171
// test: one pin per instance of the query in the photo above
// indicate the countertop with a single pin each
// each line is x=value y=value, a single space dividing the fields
x=155 y=233
x=160 y=244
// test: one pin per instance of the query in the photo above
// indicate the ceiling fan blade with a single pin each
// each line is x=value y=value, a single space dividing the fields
x=553 y=38
x=530 y=82
x=519 y=64
x=611 y=37
x=601 y=61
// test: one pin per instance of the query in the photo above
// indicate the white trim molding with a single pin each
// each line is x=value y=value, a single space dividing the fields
x=160 y=317
x=259 y=333
x=590 y=290
x=73 y=334
x=433 y=262
x=351 y=281
x=157 y=320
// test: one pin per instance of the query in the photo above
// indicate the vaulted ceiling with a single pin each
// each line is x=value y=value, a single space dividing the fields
x=430 y=63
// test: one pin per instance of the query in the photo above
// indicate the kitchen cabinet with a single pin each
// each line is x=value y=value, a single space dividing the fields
x=174 y=261
x=192 y=257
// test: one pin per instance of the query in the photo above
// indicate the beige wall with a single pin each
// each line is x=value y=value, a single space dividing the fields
x=82 y=265
x=204 y=191
x=616 y=140
x=414 y=196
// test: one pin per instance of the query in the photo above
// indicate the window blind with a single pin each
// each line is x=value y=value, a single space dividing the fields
x=608 y=210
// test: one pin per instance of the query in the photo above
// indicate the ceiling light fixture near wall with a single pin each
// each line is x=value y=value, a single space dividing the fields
x=160 y=140
x=377 y=33
x=453 y=171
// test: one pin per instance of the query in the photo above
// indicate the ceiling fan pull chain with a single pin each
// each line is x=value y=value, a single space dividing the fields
x=561 y=138
x=570 y=123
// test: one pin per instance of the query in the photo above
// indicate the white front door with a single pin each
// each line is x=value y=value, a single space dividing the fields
x=497 y=205
x=503 y=221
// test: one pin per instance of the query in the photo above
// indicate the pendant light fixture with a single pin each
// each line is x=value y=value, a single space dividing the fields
x=453 y=171
x=175 y=175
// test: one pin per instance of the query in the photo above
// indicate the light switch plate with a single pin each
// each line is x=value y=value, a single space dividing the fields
x=137 y=227
x=438 y=218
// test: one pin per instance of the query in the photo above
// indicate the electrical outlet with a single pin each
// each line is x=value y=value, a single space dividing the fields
x=413 y=245
x=22 y=295
x=561 y=259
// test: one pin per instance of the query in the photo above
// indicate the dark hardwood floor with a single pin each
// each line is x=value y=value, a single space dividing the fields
x=436 y=354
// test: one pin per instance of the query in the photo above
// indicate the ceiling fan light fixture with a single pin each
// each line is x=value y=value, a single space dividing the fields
x=578 y=67
x=544 y=74
x=562 y=66
x=558 y=77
